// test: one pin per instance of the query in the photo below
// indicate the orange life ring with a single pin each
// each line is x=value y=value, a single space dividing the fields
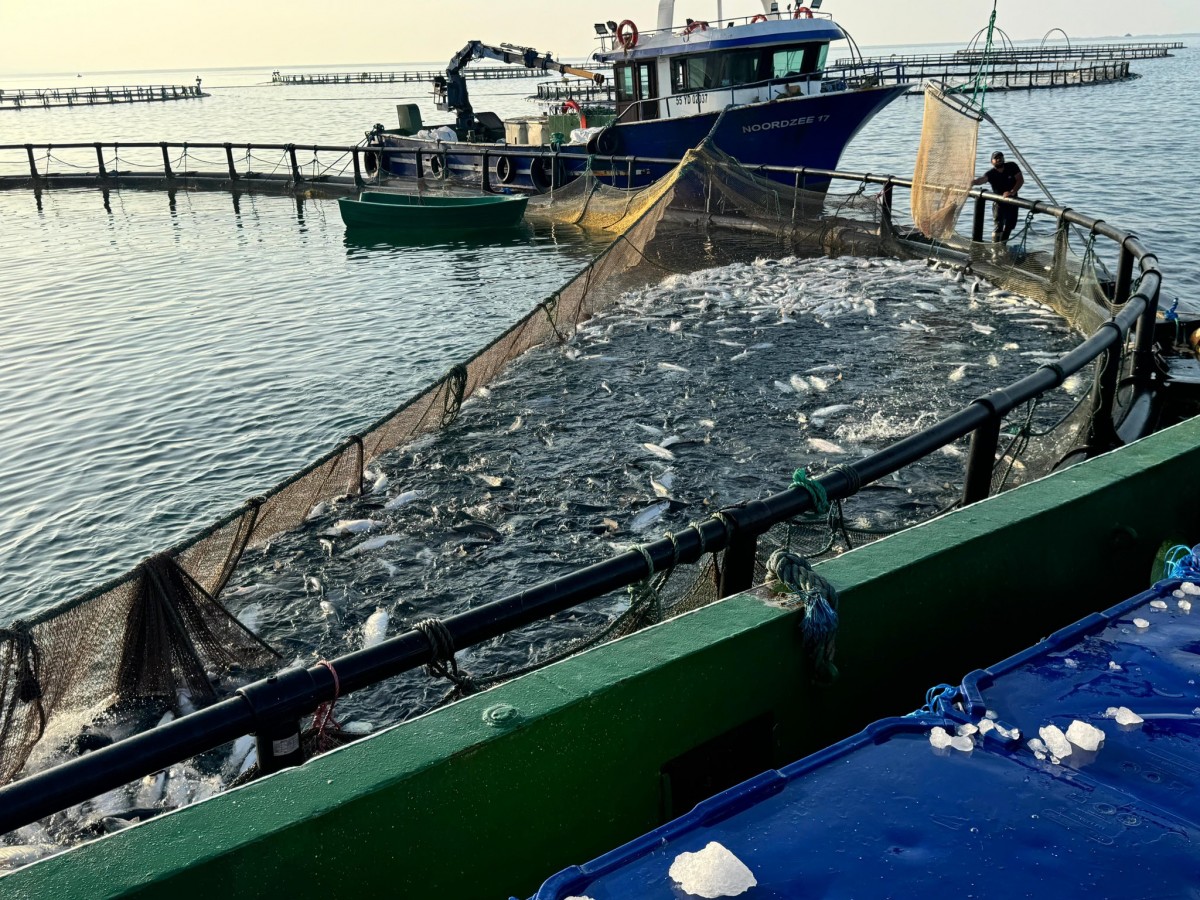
x=759 y=18
x=627 y=34
x=571 y=104
x=695 y=26
x=802 y=12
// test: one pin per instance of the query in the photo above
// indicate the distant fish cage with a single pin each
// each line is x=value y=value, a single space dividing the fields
x=1156 y=50
x=957 y=72
x=403 y=77
x=91 y=96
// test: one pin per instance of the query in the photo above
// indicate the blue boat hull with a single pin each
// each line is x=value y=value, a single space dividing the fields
x=795 y=131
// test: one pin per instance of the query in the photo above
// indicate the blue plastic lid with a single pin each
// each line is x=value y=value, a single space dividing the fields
x=886 y=814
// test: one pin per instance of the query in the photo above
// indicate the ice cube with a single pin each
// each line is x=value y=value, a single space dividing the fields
x=1159 y=604
x=1141 y=623
x=1056 y=741
x=986 y=725
x=939 y=738
x=1113 y=666
x=967 y=728
x=1123 y=715
x=712 y=872
x=1084 y=736
x=962 y=742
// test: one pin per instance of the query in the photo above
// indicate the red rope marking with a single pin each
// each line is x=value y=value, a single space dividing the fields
x=324 y=714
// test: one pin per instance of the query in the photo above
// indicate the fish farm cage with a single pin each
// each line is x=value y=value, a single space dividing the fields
x=153 y=638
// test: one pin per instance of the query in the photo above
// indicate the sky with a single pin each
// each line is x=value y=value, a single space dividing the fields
x=56 y=36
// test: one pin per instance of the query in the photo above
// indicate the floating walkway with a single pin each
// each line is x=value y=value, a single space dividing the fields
x=44 y=98
x=959 y=72
x=483 y=73
x=1157 y=50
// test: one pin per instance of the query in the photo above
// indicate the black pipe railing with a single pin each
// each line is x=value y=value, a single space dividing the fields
x=271 y=708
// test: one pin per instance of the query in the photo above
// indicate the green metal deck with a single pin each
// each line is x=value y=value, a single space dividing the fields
x=488 y=797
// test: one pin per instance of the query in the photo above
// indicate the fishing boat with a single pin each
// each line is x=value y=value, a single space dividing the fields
x=766 y=76
x=377 y=209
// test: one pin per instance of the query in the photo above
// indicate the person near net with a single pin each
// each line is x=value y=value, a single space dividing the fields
x=1005 y=179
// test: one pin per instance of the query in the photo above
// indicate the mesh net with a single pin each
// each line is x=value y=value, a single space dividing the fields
x=945 y=163
x=161 y=629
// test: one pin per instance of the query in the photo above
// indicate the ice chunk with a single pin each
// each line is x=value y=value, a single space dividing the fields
x=1188 y=588
x=576 y=897
x=1185 y=605
x=990 y=714
x=939 y=738
x=1178 y=594
x=986 y=725
x=962 y=742
x=1056 y=741
x=1159 y=604
x=712 y=872
x=966 y=728
x=1070 y=663
x=1038 y=746
x=1084 y=736
x=1123 y=715
x=1009 y=734
x=1141 y=623
x=1114 y=666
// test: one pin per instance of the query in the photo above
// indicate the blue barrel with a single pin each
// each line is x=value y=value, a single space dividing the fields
x=891 y=812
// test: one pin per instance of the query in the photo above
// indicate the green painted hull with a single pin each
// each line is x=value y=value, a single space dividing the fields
x=466 y=803
x=410 y=212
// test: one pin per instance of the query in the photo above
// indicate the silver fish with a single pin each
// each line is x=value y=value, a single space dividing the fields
x=343 y=527
x=649 y=516
x=375 y=628
x=402 y=500
x=660 y=452
x=823 y=446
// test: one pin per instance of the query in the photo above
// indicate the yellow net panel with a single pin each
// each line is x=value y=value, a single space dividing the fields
x=710 y=211
x=945 y=164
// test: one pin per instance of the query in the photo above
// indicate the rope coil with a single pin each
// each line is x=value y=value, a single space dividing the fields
x=815 y=489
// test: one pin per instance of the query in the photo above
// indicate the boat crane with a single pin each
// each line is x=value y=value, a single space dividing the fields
x=450 y=91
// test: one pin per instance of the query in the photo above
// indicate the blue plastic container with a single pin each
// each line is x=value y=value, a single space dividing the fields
x=1103 y=661
x=886 y=814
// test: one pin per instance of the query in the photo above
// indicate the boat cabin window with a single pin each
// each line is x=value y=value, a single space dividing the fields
x=729 y=68
x=803 y=59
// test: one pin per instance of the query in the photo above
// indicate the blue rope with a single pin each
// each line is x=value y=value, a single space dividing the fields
x=815 y=490
x=935 y=700
x=1182 y=562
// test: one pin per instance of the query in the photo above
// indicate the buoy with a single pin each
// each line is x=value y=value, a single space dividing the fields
x=572 y=105
x=802 y=12
x=627 y=34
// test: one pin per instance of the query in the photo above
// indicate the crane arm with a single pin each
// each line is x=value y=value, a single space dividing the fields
x=450 y=92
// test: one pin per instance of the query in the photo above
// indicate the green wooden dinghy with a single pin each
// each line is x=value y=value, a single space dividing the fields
x=374 y=209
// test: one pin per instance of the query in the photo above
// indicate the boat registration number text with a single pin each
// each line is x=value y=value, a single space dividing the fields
x=783 y=123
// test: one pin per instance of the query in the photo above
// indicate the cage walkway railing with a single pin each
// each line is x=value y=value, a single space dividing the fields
x=272 y=708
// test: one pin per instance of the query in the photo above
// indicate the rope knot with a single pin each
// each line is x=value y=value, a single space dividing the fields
x=815 y=489
x=443 y=664
x=793 y=575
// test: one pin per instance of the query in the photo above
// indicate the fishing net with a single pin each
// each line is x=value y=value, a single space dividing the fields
x=945 y=164
x=162 y=632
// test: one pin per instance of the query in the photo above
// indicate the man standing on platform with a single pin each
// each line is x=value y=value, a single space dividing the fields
x=1005 y=179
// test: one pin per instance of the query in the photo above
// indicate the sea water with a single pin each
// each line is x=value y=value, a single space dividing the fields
x=167 y=356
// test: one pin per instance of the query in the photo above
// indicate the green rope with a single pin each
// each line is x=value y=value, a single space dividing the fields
x=980 y=91
x=815 y=490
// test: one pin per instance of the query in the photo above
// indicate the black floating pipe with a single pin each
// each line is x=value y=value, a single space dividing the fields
x=233 y=172
x=166 y=160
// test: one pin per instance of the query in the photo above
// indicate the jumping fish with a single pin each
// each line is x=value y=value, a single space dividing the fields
x=375 y=628
x=516 y=425
x=663 y=484
x=799 y=385
x=492 y=481
x=818 y=382
x=660 y=452
x=784 y=387
x=959 y=373
x=671 y=367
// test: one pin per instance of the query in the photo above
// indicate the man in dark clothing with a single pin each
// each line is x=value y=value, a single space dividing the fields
x=1005 y=179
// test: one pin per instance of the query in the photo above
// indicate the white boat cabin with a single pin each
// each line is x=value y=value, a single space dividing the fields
x=697 y=67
